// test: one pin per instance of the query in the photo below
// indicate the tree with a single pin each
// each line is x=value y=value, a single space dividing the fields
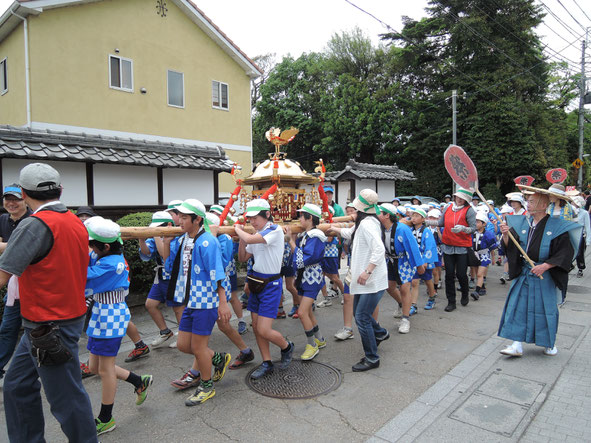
x=266 y=63
x=490 y=51
x=291 y=96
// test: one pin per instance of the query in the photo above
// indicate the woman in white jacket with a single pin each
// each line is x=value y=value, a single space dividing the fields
x=368 y=275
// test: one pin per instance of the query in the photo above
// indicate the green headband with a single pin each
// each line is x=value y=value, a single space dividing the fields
x=95 y=236
x=199 y=213
x=309 y=211
x=369 y=206
x=386 y=210
x=256 y=208
x=174 y=206
x=162 y=220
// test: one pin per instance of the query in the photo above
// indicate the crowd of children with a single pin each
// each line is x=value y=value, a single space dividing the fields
x=196 y=275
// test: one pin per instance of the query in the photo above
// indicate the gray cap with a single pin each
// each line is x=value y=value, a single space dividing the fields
x=39 y=177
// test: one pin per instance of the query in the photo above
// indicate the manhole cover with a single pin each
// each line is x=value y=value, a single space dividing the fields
x=302 y=379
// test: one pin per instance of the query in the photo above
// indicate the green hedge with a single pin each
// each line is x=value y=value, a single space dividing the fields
x=141 y=272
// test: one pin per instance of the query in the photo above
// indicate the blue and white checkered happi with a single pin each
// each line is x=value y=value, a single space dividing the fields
x=331 y=250
x=108 y=320
x=231 y=268
x=203 y=295
x=405 y=270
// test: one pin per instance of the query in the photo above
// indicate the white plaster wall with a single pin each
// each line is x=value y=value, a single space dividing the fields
x=73 y=176
x=181 y=184
x=120 y=185
x=343 y=194
x=386 y=191
x=366 y=184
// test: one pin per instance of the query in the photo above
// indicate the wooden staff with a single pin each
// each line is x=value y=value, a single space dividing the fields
x=513 y=239
x=128 y=233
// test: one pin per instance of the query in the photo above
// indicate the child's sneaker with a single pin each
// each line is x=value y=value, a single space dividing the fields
x=219 y=370
x=102 y=428
x=319 y=343
x=242 y=359
x=430 y=304
x=161 y=339
x=201 y=395
x=85 y=370
x=286 y=356
x=344 y=334
x=294 y=309
x=142 y=391
x=413 y=310
x=398 y=311
x=242 y=329
x=281 y=313
x=186 y=381
x=310 y=352
x=264 y=369
x=137 y=353
x=324 y=303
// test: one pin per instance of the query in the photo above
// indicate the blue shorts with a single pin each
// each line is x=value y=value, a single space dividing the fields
x=266 y=303
x=330 y=265
x=347 y=288
x=287 y=271
x=158 y=292
x=107 y=347
x=198 y=321
x=426 y=276
x=233 y=282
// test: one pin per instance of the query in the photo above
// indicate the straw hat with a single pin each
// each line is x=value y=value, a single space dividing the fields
x=555 y=190
x=366 y=201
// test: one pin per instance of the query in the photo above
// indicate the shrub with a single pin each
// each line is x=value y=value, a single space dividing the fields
x=141 y=272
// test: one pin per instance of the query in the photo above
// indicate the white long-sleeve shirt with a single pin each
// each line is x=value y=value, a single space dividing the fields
x=367 y=248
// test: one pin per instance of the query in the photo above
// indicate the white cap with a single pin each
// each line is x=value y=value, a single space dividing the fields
x=174 y=204
x=366 y=201
x=161 y=217
x=506 y=209
x=216 y=209
x=311 y=209
x=389 y=208
x=254 y=207
x=482 y=207
x=434 y=213
x=192 y=206
x=517 y=197
x=402 y=210
x=103 y=230
x=213 y=219
x=481 y=215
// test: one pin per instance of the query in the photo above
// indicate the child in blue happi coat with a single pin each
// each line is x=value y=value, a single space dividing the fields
x=151 y=249
x=330 y=267
x=428 y=249
x=231 y=271
x=435 y=215
x=308 y=252
x=108 y=285
x=194 y=261
x=483 y=242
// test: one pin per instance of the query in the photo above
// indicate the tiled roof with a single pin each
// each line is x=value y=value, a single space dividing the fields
x=80 y=147
x=368 y=171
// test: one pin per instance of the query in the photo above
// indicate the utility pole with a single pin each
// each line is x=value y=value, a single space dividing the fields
x=454 y=129
x=582 y=111
x=454 y=112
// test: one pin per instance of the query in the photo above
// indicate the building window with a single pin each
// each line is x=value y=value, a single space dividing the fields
x=120 y=73
x=3 y=77
x=176 y=89
x=219 y=95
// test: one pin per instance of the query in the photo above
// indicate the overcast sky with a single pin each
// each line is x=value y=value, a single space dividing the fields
x=282 y=27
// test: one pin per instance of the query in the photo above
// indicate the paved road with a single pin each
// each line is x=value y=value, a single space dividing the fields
x=430 y=386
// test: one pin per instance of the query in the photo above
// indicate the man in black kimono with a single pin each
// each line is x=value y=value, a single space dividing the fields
x=531 y=309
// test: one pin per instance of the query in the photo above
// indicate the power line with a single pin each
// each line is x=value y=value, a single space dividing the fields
x=588 y=18
x=546 y=46
x=558 y=19
x=572 y=16
x=410 y=42
x=499 y=50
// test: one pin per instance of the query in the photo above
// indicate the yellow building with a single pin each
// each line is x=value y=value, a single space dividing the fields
x=134 y=80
